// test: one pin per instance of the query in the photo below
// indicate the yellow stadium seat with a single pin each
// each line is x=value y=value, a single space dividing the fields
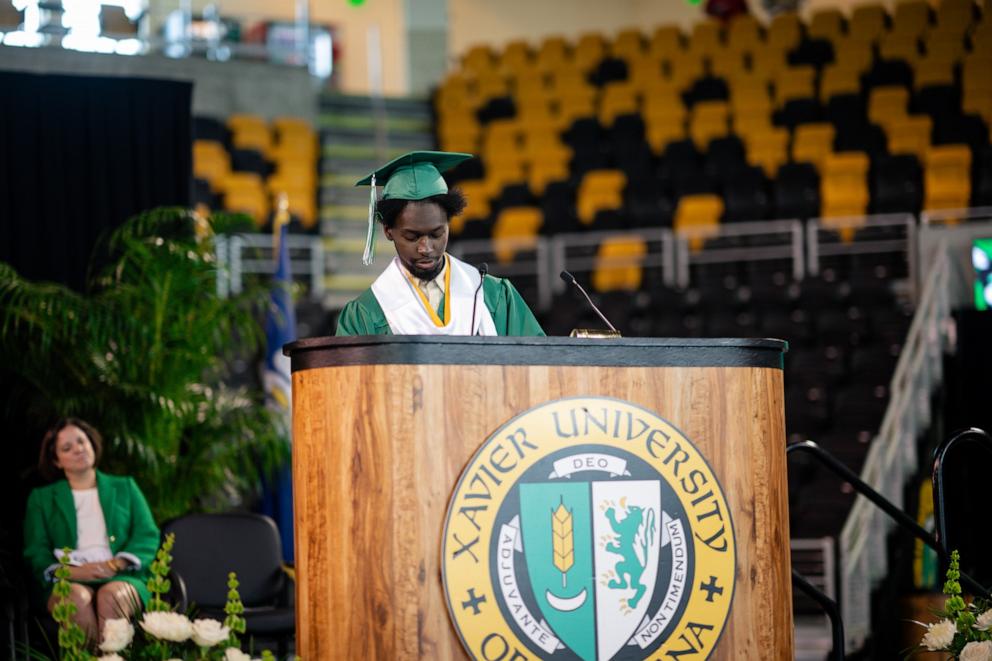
x=697 y=217
x=911 y=17
x=477 y=204
x=666 y=42
x=867 y=22
x=599 y=190
x=910 y=135
x=544 y=172
x=836 y=80
x=553 y=54
x=501 y=134
x=294 y=174
x=292 y=147
x=853 y=55
x=826 y=24
x=887 y=103
x=516 y=229
x=663 y=101
x=503 y=173
x=647 y=76
x=589 y=51
x=750 y=99
x=706 y=39
x=749 y=123
x=767 y=63
x=491 y=85
x=516 y=57
x=619 y=98
x=928 y=72
x=478 y=59
x=683 y=70
x=293 y=128
x=460 y=138
x=659 y=135
x=243 y=121
x=210 y=161
x=947 y=177
x=768 y=149
x=729 y=65
x=975 y=72
x=794 y=83
x=628 y=44
x=955 y=12
x=896 y=46
x=709 y=120
x=844 y=187
x=784 y=31
x=618 y=265
x=978 y=101
x=253 y=137
x=813 y=143
x=743 y=34
x=575 y=104
x=243 y=192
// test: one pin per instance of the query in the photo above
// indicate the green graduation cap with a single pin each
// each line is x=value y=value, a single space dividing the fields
x=412 y=176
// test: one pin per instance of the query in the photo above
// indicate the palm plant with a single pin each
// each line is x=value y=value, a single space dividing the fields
x=144 y=355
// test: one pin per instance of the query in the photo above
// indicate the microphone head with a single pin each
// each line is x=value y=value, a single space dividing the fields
x=483 y=269
x=567 y=277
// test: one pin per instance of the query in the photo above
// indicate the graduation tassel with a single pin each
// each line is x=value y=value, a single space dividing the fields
x=369 y=255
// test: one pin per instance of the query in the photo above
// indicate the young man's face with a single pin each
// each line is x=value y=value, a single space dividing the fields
x=420 y=235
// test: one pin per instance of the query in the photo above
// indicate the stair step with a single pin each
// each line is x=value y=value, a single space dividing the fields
x=344 y=195
x=346 y=123
x=395 y=107
x=404 y=141
x=357 y=213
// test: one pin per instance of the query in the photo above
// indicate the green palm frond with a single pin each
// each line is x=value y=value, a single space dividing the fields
x=143 y=354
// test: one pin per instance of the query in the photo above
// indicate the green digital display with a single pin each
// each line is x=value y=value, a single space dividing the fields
x=981 y=259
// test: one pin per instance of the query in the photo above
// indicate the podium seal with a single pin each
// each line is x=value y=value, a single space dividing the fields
x=588 y=528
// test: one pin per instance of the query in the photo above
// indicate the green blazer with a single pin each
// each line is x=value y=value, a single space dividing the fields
x=511 y=316
x=50 y=523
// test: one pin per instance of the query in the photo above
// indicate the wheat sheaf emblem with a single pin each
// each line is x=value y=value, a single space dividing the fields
x=563 y=540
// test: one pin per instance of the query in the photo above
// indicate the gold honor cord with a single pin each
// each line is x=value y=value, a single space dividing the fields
x=281 y=218
x=563 y=543
x=427 y=304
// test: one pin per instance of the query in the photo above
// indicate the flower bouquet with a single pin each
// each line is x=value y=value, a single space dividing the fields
x=964 y=630
x=161 y=633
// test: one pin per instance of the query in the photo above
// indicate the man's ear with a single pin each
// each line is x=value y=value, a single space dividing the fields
x=388 y=231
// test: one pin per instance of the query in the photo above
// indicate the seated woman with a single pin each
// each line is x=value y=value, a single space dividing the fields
x=104 y=519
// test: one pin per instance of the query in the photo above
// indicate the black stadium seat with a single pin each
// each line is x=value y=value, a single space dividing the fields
x=896 y=184
x=797 y=191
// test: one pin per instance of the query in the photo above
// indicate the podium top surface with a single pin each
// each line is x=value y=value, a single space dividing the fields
x=319 y=352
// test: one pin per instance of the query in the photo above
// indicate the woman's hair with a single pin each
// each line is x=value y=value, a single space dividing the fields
x=452 y=203
x=46 y=457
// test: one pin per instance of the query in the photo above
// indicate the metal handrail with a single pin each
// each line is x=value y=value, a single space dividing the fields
x=830 y=608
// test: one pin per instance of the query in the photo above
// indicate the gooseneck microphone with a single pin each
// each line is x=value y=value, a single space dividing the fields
x=483 y=270
x=570 y=279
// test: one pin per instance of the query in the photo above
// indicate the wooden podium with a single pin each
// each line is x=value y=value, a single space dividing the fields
x=383 y=428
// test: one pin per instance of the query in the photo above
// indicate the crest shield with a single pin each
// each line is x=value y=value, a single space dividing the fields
x=556 y=522
x=592 y=553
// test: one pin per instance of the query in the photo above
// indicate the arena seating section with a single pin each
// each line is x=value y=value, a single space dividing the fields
x=838 y=117
x=244 y=165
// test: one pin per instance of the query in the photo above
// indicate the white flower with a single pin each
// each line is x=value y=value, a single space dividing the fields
x=117 y=634
x=111 y=657
x=207 y=633
x=167 y=626
x=977 y=651
x=984 y=621
x=234 y=654
x=939 y=635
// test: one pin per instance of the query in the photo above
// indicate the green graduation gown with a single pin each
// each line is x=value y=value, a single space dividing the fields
x=364 y=316
x=50 y=523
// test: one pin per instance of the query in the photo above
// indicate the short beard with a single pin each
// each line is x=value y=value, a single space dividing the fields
x=426 y=276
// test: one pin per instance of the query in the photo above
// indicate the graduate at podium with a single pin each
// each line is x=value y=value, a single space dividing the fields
x=424 y=290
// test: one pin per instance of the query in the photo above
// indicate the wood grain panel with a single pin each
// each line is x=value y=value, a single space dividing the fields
x=378 y=450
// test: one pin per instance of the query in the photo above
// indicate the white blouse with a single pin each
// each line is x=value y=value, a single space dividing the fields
x=92 y=544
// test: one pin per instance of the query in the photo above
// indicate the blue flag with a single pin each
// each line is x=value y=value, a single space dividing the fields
x=280 y=328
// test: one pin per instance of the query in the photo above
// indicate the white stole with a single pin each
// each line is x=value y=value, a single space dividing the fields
x=407 y=315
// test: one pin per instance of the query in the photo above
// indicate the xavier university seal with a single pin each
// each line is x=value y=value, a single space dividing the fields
x=588 y=528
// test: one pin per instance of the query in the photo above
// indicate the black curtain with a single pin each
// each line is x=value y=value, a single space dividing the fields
x=78 y=156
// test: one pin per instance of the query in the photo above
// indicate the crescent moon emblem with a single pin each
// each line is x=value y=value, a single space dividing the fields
x=562 y=604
